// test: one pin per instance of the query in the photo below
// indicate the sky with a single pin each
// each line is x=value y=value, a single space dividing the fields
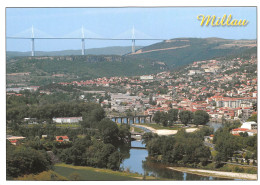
x=165 y=23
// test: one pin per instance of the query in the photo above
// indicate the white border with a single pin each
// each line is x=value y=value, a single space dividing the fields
x=95 y=3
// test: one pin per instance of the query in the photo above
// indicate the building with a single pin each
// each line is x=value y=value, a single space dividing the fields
x=146 y=77
x=62 y=138
x=236 y=131
x=14 y=140
x=234 y=102
x=251 y=125
x=67 y=120
x=193 y=72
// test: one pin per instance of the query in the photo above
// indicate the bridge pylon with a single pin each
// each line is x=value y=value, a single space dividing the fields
x=133 y=40
x=83 y=42
x=32 y=39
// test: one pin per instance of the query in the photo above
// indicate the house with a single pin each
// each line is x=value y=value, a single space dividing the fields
x=252 y=132
x=62 y=138
x=236 y=131
x=208 y=138
x=14 y=140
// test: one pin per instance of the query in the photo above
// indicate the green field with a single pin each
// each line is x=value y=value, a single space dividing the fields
x=68 y=125
x=95 y=174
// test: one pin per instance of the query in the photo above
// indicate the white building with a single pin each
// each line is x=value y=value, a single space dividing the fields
x=251 y=125
x=67 y=120
x=146 y=77
x=193 y=72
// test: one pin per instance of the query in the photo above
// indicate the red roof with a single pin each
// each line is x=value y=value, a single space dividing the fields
x=240 y=129
x=63 y=137
x=13 y=141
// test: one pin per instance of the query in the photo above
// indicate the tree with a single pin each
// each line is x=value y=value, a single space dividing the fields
x=124 y=132
x=182 y=148
x=114 y=161
x=173 y=115
x=91 y=118
x=25 y=160
x=186 y=117
x=253 y=118
x=157 y=117
x=148 y=136
x=225 y=144
x=255 y=106
x=164 y=119
x=201 y=117
x=243 y=134
x=109 y=131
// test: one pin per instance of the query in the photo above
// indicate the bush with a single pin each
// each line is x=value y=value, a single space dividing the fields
x=74 y=176
x=43 y=176
x=21 y=161
x=239 y=169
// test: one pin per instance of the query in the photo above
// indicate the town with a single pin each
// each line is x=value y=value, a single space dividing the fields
x=226 y=90
x=182 y=104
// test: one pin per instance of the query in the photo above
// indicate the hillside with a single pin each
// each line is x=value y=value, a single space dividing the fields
x=45 y=70
x=182 y=51
x=113 y=50
x=167 y=55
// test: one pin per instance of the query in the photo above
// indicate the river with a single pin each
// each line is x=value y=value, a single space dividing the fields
x=138 y=162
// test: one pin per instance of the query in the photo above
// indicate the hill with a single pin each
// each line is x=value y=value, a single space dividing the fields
x=166 y=55
x=45 y=70
x=182 y=51
x=113 y=50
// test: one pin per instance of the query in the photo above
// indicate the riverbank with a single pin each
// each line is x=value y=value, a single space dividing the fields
x=97 y=174
x=165 y=132
x=220 y=174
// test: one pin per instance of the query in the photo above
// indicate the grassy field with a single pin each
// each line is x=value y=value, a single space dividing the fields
x=43 y=176
x=68 y=125
x=95 y=174
x=136 y=129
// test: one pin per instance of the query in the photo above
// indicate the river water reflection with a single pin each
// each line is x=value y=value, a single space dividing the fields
x=138 y=162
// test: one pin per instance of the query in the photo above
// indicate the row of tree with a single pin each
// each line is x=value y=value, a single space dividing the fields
x=183 y=148
x=199 y=117
x=227 y=144
x=89 y=152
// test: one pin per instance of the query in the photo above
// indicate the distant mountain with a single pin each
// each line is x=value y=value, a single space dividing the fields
x=182 y=51
x=113 y=50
